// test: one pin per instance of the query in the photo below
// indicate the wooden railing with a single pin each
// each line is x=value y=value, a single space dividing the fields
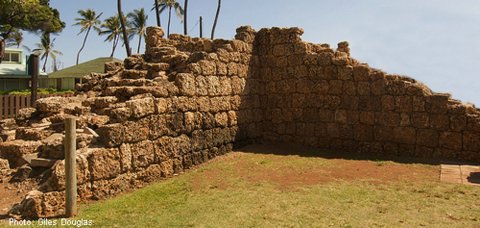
x=10 y=104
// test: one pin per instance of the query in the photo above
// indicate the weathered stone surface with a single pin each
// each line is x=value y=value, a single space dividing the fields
x=112 y=66
x=56 y=181
x=4 y=166
x=404 y=135
x=186 y=84
x=42 y=162
x=22 y=173
x=31 y=206
x=471 y=141
x=427 y=137
x=104 y=163
x=32 y=134
x=52 y=147
x=141 y=107
x=104 y=102
x=14 y=150
x=142 y=153
x=41 y=205
x=59 y=104
x=112 y=134
x=25 y=113
x=105 y=188
x=451 y=140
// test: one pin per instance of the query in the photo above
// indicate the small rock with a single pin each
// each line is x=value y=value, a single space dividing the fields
x=4 y=165
x=42 y=162
x=52 y=147
x=90 y=131
x=25 y=113
x=22 y=174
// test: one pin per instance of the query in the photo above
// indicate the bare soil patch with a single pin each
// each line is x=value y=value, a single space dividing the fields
x=12 y=193
x=289 y=167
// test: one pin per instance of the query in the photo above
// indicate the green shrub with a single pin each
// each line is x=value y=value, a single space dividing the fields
x=39 y=91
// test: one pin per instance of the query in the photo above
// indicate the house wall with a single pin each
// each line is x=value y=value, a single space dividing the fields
x=7 y=84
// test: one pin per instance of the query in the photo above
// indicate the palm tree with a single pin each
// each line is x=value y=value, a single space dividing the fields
x=88 y=20
x=185 y=5
x=15 y=39
x=112 y=29
x=170 y=4
x=45 y=49
x=138 y=24
x=124 y=28
x=216 y=19
x=157 y=13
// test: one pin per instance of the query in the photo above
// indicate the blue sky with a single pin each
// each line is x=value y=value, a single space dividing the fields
x=434 y=41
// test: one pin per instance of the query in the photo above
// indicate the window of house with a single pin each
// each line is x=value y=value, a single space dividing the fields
x=11 y=57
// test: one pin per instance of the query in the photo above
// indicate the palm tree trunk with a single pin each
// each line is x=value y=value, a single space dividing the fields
x=45 y=63
x=116 y=44
x=169 y=17
x=124 y=29
x=83 y=45
x=201 y=27
x=157 y=13
x=216 y=19
x=139 y=42
x=185 y=32
x=113 y=46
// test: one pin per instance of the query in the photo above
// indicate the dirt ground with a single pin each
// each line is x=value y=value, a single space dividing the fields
x=286 y=166
x=289 y=167
x=12 y=193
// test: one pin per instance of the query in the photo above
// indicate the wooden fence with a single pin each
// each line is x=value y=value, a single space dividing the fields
x=10 y=104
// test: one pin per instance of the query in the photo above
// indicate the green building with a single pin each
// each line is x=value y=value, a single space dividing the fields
x=13 y=71
x=66 y=79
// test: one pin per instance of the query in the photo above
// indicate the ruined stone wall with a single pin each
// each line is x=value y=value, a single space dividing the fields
x=187 y=100
x=322 y=97
x=177 y=106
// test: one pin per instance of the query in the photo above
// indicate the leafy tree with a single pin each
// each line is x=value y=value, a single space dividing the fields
x=216 y=19
x=170 y=4
x=124 y=27
x=26 y=15
x=138 y=24
x=45 y=49
x=112 y=29
x=88 y=19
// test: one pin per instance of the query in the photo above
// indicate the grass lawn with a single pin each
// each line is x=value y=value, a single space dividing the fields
x=267 y=190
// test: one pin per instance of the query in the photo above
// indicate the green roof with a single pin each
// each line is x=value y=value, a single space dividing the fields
x=82 y=69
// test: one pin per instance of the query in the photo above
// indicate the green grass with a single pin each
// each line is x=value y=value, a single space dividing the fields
x=238 y=202
x=39 y=91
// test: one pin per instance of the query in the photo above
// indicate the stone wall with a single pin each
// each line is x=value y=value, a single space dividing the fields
x=318 y=96
x=187 y=100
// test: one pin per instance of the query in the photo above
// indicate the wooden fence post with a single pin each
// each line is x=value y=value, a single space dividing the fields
x=35 y=72
x=70 y=167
